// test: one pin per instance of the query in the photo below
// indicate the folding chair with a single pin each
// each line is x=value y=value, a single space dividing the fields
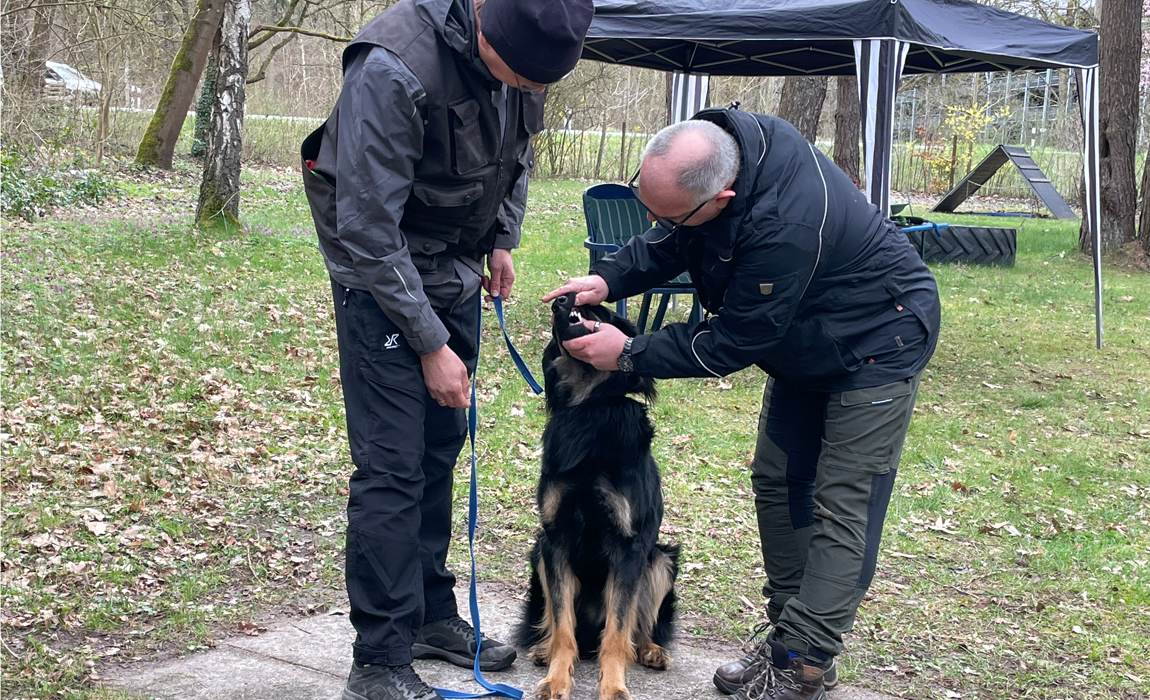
x=613 y=216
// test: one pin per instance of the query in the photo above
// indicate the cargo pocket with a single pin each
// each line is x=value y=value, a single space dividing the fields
x=466 y=136
x=382 y=355
x=865 y=428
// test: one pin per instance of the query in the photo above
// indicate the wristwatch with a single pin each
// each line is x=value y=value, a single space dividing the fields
x=626 y=363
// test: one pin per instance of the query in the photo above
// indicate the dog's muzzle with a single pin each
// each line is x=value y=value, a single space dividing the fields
x=568 y=323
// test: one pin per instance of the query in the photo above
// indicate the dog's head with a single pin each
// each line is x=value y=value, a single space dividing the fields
x=571 y=382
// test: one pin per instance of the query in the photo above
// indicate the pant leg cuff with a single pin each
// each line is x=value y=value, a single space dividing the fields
x=395 y=656
x=434 y=612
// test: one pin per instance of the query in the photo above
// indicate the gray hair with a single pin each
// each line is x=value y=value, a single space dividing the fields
x=708 y=176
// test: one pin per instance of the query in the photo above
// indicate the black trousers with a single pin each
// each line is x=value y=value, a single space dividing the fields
x=404 y=446
x=823 y=473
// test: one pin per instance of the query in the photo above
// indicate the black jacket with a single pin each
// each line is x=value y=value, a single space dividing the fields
x=422 y=167
x=804 y=277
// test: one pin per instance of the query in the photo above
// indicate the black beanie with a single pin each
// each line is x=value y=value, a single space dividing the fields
x=540 y=40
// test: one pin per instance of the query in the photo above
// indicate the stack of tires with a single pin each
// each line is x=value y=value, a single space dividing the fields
x=973 y=245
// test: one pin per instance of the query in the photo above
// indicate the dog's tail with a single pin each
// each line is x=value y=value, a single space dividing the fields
x=664 y=628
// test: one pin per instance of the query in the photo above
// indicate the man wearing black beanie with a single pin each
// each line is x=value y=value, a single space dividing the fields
x=417 y=179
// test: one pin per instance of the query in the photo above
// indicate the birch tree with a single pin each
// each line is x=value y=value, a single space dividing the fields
x=220 y=188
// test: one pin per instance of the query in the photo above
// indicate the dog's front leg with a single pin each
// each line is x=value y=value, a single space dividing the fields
x=560 y=588
x=617 y=649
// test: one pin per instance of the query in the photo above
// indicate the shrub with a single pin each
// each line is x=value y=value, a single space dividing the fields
x=31 y=194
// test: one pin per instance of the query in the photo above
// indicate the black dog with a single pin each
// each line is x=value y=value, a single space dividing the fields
x=601 y=583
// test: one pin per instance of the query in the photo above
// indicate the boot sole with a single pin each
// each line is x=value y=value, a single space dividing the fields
x=726 y=687
x=423 y=651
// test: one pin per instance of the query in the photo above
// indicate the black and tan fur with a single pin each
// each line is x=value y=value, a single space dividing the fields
x=601 y=583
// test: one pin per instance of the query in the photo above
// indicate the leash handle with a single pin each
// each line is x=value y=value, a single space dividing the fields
x=515 y=357
x=494 y=690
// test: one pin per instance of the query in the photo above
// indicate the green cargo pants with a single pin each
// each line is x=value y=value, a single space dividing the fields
x=824 y=468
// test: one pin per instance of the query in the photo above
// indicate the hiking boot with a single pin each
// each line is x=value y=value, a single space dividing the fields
x=453 y=639
x=730 y=677
x=800 y=680
x=377 y=682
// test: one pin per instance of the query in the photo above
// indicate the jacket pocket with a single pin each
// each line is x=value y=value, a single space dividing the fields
x=467 y=138
x=442 y=210
x=447 y=196
x=809 y=356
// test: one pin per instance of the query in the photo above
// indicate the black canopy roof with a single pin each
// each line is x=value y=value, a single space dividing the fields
x=814 y=37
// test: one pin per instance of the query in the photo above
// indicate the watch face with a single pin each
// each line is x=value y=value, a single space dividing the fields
x=625 y=363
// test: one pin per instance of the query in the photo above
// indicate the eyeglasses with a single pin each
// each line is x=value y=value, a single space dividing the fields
x=672 y=226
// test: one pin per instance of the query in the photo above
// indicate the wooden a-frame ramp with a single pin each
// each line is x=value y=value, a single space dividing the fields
x=985 y=170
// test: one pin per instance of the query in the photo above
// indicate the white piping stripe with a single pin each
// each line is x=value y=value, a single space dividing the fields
x=405 y=287
x=764 y=137
x=699 y=359
x=826 y=203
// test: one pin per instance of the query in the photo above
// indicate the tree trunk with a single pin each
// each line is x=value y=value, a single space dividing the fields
x=220 y=189
x=1119 y=50
x=207 y=97
x=802 y=103
x=38 y=46
x=159 y=141
x=848 y=124
x=1144 y=222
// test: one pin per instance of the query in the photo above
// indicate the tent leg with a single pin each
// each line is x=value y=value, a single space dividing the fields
x=1087 y=79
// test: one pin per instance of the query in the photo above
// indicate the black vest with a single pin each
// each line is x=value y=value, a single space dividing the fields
x=469 y=164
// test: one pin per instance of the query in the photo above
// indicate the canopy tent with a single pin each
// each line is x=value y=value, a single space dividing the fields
x=879 y=41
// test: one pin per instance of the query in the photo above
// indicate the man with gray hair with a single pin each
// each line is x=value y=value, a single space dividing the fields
x=803 y=277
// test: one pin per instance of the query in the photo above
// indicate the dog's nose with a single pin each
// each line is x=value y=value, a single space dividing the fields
x=562 y=304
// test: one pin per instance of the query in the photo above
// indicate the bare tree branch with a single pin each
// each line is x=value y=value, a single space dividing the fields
x=305 y=32
x=261 y=73
x=283 y=21
x=88 y=5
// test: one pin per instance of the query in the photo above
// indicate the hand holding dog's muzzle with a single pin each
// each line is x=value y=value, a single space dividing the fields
x=600 y=347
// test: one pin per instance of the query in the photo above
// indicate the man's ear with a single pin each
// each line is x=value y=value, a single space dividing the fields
x=723 y=198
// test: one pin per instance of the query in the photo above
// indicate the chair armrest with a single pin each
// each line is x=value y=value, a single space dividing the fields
x=600 y=247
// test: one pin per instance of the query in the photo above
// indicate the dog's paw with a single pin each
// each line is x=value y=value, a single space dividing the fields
x=654 y=656
x=614 y=694
x=554 y=689
x=540 y=656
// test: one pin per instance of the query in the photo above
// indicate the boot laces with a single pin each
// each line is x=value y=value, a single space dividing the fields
x=410 y=683
x=769 y=681
x=761 y=649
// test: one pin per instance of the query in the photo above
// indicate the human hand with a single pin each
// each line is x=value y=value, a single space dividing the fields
x=446 y=378
x=600 y=348
x=502 y=274
x=591 y=290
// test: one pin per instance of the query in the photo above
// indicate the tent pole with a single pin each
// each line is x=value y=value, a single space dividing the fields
x=1087 y=79
x=1095 y=215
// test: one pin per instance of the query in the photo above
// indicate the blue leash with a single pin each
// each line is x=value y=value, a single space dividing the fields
x=519 y=363
x=494 y=690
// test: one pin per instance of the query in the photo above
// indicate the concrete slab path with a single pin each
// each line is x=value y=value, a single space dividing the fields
x=308 y=659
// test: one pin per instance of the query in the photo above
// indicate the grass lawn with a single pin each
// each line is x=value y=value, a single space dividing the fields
x=175 y=461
